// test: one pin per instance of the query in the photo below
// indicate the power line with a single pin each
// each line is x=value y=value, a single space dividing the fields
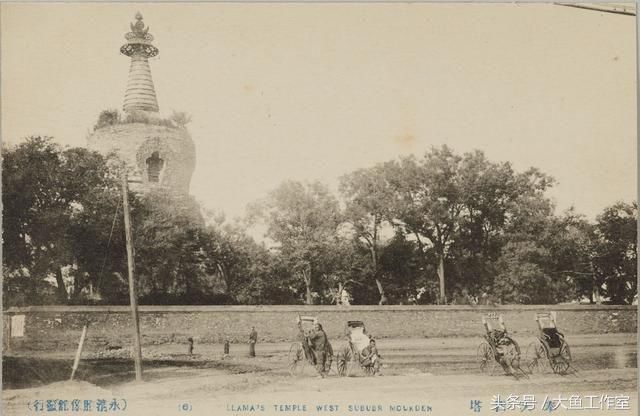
x=106 y=254
x=605 y=8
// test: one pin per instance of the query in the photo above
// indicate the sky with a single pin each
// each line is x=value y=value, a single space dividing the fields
x=314 y=91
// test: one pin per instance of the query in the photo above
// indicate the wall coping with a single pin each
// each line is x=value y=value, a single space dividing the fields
x=305 y=309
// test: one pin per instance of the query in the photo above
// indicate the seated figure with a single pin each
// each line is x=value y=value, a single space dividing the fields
x=369 y=355
x=552 y=337
x=507 y=354
x=498 y=337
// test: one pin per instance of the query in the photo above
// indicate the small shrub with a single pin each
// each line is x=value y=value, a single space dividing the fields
x=113 y=117
x=137 y=117
x=181 y=119
x=107 y=118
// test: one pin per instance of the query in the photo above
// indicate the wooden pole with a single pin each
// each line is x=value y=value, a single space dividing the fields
x=137 y=353
x=443 y=296
x=596 y=288
x=6 y=335
x=76 y=361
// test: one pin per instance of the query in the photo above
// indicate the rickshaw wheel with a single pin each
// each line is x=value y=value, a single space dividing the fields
x=329 y=360
x=370 y=370
x=535 y=356
x=296 y=359
x=561 y=362
x=510 y=357
x=486 y=357
x=341 y=365
x=342 y=362
x=565 y=351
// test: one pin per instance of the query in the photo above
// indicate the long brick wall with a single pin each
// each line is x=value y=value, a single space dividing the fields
x=58 y=327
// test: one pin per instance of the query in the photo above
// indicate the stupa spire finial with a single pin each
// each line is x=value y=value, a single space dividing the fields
x=140 y=94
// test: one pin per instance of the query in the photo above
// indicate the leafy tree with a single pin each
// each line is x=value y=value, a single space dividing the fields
x=267 y=280
x=428 y=202
x=492 y=229
x=571 y=239
x=63 y=220
x=368 y=198
x=488 y=191
x=526 y=272
x=464 y=209
x=303 y=220
x=615 y=261
x=172 y=249
x=551 y=267
x=45 y=191
x=347 y=266
x=521 y=277
x=404 y=269
x=252 y=274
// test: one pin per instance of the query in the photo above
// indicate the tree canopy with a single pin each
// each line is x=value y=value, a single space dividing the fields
x=440 y=228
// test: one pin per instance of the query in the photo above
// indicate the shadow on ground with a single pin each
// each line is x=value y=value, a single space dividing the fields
x=24 y=372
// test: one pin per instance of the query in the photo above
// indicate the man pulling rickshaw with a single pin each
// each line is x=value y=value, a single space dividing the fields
x=318 y=341
x=313 y=347
x=498 y=347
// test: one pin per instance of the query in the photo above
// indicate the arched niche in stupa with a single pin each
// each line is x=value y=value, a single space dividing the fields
x=155 y=164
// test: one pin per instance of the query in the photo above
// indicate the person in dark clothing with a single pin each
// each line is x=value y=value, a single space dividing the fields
x=508 y=352
x=552 y=336
x=253 y=339
x=318 y=342
x=190 y=348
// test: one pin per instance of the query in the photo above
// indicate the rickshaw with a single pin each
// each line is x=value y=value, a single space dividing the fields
x=350 y=356
x=498 y=348
x=300 y=353
x=550 y=346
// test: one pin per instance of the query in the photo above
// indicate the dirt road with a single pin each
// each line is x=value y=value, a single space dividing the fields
x=420 y=376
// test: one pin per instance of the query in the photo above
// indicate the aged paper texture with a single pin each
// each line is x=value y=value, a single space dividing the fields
x=292 y=208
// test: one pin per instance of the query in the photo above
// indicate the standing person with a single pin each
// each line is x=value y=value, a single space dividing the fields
x=318 y=342
x=226 y=348
x=190 y=347
x=345 y=297
x=253 y=338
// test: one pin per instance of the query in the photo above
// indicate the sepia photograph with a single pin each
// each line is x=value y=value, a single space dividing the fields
x=307 y=208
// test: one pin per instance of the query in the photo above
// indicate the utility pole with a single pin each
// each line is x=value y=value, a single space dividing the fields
x=137 y=353
x=76 y=361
